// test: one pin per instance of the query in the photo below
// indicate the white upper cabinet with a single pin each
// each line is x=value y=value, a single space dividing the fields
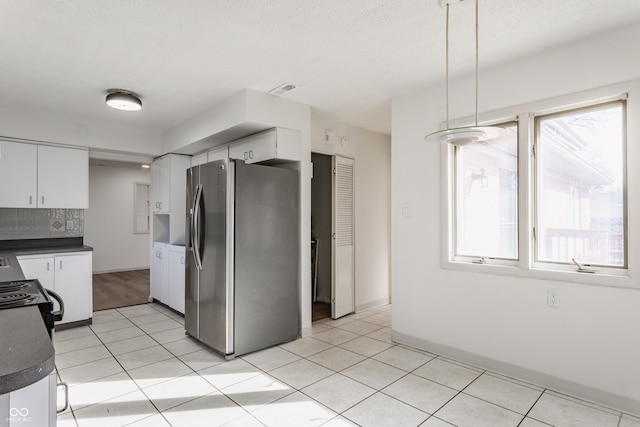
x=218 y=153
x=169 y=183
x=160 y=188
x=199 y=159
x=43 y=176
x=271 y=145
x=18 y=174
x=168 y=197
x=63 y=177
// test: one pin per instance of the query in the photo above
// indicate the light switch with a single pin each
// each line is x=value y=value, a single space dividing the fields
x=406 y=210
x=330 y=137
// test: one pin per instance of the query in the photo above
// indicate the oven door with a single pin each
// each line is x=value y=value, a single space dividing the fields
x=50 y=316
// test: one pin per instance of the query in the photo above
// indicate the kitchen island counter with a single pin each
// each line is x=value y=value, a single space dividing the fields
x=27 y=353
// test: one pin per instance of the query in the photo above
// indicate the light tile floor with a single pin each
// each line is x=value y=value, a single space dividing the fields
x=135 y=366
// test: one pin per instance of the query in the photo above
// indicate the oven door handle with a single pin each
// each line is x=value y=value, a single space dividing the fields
x=57 y=315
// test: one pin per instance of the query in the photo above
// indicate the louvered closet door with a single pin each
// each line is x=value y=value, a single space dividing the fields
x=342 y=301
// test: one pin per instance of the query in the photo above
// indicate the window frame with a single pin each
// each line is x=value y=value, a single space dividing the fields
x=480 y=259
x=536 y=183
x=136 y=211
x=525 y=266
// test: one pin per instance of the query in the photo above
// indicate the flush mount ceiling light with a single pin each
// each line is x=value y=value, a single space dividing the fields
x=123 y=100
x=463 y=135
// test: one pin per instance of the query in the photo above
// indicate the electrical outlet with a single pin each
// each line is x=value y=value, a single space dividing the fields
x=553 y=298
x=69 y=224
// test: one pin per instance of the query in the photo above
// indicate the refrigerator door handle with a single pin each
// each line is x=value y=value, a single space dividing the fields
x=195 y=227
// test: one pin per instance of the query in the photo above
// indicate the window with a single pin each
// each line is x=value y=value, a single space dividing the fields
x=580 y=194
x=486 y=203
x=551 y=190
x=141 y=208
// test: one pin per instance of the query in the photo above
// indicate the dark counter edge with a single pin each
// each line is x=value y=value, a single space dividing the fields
x=64 y=244
x=41 y=360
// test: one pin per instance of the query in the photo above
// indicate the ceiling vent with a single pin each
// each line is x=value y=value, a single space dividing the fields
x=283 y=89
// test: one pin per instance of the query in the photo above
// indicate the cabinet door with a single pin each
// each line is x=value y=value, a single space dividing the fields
x=160 y=273
x=199 y=159
x=274 y=144
x=74 y=284
x=40 y=268
x=160 y=185
x=253 y=151
x=218 y=154
x=155 y=186
x=176 y=278
x=164 y=275
x=19 y=168
x=155 y=272
x=63 y=177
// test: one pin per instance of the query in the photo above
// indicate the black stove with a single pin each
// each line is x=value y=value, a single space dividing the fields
x=22 y=293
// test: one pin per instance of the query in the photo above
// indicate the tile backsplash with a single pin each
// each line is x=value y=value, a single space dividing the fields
x=17 y=224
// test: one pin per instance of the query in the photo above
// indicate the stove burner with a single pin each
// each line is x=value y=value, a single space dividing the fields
x=15 y=299
x=13 y=286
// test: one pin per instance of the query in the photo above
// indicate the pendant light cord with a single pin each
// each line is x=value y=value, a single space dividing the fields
x=446 y=73
x=447 y=64
x=477 y=47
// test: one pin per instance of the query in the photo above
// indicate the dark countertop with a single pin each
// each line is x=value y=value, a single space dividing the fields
x=14 y=272
x=26 y=353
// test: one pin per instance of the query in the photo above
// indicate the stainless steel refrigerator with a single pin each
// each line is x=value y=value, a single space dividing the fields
x=242 y=256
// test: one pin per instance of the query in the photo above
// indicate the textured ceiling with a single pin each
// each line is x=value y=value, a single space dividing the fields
x=348 y=58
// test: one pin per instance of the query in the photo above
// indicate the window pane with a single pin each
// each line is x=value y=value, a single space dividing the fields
x=580 y=187
x=487 y=197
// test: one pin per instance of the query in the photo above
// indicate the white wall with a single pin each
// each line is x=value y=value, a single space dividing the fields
x=372 y=154
x=108 y=225
x=588 y=346
x=76 y=131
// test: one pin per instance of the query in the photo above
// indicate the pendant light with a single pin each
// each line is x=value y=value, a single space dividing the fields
x=123 y=100
x=463 y=135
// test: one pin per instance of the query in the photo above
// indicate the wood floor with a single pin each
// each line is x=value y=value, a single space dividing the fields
x=124 y=288
x=120 y=289
x=320 y=310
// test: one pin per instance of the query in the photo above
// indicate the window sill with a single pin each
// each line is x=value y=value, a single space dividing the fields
x=605 y=278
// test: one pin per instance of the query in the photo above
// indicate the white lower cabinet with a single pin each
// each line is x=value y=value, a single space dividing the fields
x=33 y=405
x=176 y=278
x=160 y=272
x=167 y=275
x=69 y=275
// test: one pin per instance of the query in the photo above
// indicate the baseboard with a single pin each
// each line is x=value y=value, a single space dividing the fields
x=372 y=304
x=580 y=391
x=69 y=325
x=120 y=270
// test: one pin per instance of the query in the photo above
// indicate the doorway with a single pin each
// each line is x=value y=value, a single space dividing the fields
x=332 y=233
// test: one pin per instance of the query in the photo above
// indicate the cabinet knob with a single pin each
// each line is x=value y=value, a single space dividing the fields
x=42 y=203
x=30 y=200
x=251 y=154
